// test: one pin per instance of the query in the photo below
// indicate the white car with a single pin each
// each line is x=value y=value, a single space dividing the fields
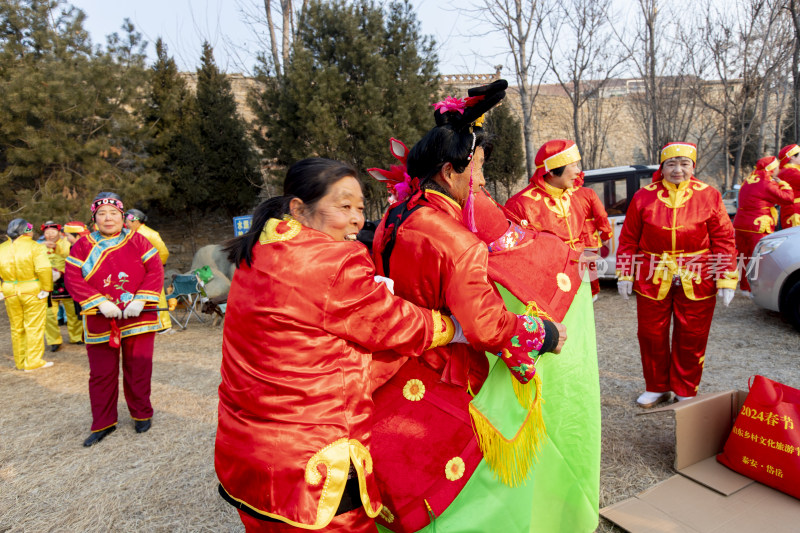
x=615 y=186
x=774 y=274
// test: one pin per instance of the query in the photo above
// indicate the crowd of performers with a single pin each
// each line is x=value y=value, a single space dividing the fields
x=443 y=378
x=109 y=280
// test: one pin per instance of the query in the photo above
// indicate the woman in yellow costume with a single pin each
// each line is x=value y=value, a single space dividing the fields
x=27 y=279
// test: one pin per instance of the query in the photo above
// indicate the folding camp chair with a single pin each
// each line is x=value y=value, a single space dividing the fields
x=185 y=290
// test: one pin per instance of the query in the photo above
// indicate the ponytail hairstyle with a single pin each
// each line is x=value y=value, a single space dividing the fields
x=309 y=180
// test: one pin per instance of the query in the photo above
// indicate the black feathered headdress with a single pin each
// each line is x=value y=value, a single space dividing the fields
x=462 y=113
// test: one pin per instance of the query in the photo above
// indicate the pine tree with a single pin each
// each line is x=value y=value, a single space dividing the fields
x=169 y=117
x=227 y=176
x=356 y=77
x=67 y=129
x=506 y=165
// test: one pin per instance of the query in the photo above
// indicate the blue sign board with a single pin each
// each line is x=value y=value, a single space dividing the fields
x=241 y=224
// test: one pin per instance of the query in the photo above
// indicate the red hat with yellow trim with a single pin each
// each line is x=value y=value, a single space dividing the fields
x=675 y=149
x=554 y=154
x=76 y=227
x=679 y=149
x=764 y=169
x=787 y=152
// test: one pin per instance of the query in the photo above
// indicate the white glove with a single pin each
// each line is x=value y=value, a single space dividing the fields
x=134 y=309
x=389 y=282
x=109 y=310
x=458 y=336
x=726 y=295
x=42 y=295
x=2 y=296
x=625 y=288
x=56 y=275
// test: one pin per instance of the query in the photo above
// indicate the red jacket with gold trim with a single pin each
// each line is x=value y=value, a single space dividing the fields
x=547 y=208
x=596 y=227
x=294 y=403
x=756 y=212
x=120 y=269
x=438 y=263
x=790 y=211
x=677 y=232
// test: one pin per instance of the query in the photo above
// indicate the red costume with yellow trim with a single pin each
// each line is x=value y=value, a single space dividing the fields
x=756 y=215
x=677 y=246
x=436 y=262
x=548 y=208
x=295 y=409
x=596 y=226
x=790 y=173
x=120 y=269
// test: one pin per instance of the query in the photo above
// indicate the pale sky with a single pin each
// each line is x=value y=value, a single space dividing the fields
x=184 y=24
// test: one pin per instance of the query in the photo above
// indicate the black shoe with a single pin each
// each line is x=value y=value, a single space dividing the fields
x=142 y=425
x=77 y=343
x=55 y=347
x=97 y=436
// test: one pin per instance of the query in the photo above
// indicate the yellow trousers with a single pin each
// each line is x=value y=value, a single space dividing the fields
x=26 y=313
x=52 y=333
x=163 y=316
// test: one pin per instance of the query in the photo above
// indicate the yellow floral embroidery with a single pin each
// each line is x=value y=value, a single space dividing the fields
x=387 y=515
x=414 y=390
x=270 y=232
x=563 y=282
x=455 y=468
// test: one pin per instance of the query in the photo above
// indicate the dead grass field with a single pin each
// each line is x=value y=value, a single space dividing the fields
x=163 y=480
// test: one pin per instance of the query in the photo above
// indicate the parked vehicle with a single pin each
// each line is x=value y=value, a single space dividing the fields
x=731 y=200
x=774 y=274
x=615 y=186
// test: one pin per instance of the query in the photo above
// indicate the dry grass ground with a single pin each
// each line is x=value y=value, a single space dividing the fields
x=163 y=480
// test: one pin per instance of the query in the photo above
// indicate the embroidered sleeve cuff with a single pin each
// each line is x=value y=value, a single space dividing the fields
x=74 y=261
x=728 y=280
x=443 y=330
x=147 y=296
x=522 y=349
x=94 y=301
x=622 y=277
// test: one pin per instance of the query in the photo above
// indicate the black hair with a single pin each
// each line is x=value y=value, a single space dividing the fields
x=451 y=140
x=558 y=171
x=309 y=180
x=443 y=144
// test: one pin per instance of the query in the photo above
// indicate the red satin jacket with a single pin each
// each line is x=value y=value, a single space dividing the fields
x=790 y=211
x=547 y=208
x=677 y=230
x=121 y=268
x=439 y=264
x=596 y=227
x=294 y=403
x=757 y=198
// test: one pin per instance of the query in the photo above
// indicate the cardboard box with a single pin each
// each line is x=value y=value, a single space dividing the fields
x=705 y=496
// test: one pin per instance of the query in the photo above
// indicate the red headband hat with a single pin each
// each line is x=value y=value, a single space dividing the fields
x=764 y=169
x=675 y=149
x=50 y=224
x=107 y=198
x=554 y=154
x=787 y=152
